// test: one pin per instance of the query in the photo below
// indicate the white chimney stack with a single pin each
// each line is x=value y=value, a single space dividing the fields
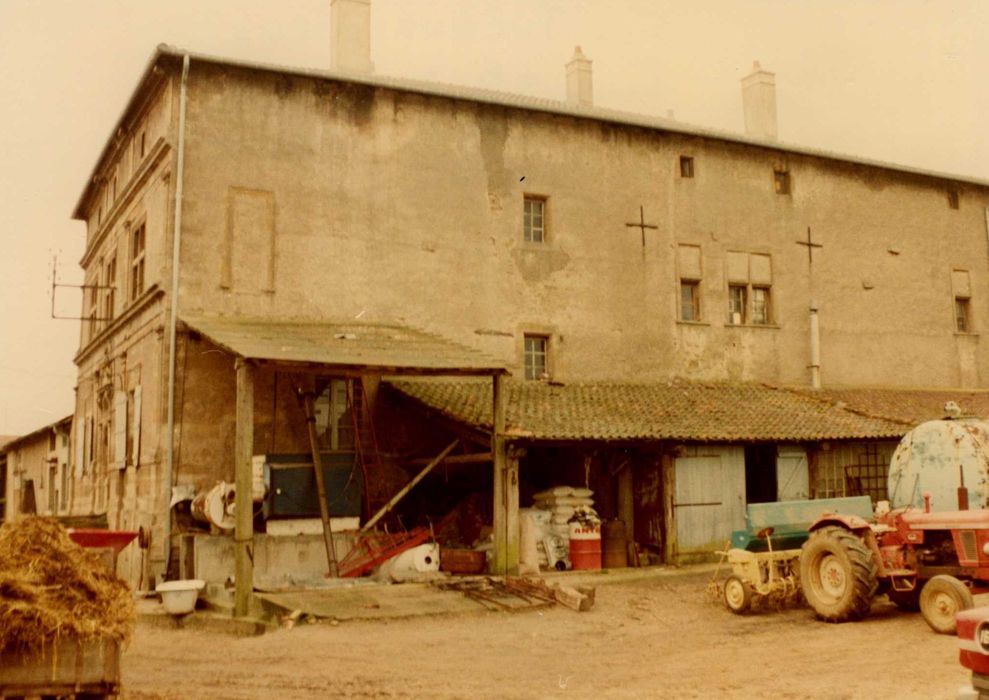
x=579 y=90
x=759 y=103
x=350 y=35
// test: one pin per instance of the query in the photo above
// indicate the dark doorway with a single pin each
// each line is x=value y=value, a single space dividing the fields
x=760 y=473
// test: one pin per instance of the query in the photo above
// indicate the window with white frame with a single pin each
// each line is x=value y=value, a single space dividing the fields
x=534 y=219
x=750 y=284
x=536 y=356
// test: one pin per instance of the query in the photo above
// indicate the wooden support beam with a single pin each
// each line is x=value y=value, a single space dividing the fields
x=324 y=509
x=670 y=546
x=475 y=458
x=408 y=487
x=244 y=507
x=502 y=564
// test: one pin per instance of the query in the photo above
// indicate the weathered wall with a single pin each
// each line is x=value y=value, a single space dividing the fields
x=311 y=198
x=31 y=459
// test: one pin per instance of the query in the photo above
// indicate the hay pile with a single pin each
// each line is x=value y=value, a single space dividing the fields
x=51 y=588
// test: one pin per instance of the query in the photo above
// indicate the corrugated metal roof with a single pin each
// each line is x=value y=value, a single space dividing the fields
x=704 y=412
x=379 y=346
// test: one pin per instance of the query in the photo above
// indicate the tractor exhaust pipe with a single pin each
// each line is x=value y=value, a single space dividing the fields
x=962 y=491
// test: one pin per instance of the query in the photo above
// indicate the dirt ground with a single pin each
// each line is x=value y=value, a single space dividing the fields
x=656 y=638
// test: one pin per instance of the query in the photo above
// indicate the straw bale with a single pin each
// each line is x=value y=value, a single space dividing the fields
x=51 y=588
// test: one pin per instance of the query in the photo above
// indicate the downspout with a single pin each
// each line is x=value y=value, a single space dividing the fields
x=173 y=320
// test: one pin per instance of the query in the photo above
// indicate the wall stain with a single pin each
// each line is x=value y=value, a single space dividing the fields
x=536 y=265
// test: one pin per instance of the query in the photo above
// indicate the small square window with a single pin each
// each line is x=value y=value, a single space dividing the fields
x=781 y=181
x=690 y=300
x=686 y=166
x=536 y=349
x=737 y=294
x=534 y=219
x=962 y=315
x=953 y=199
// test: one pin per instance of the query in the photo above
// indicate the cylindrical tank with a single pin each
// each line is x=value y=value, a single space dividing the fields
x=585 y=545
x=613 y=546
x=936 y=458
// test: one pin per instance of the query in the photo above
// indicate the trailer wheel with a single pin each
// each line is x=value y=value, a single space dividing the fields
x=738 y=595
x=837 y=575
x=941 y=599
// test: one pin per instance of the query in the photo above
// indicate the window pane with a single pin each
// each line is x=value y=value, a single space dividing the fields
x=760 y=305
x=689 y=302
x=736 y=304
x=535 y=357
x=961 y=315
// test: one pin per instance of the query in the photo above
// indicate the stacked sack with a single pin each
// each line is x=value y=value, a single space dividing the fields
x=560 y=505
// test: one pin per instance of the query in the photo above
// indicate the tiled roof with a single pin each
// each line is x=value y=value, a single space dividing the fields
x=705 y=412
x=384 y=347
x=907 y=406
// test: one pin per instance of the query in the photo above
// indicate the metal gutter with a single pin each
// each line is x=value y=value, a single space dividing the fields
x=173 y=320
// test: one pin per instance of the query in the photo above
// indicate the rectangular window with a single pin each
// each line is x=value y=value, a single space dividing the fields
x=781 y=181
x=690 y=302
x=760 y=306
x=137 y=262
x=334 y=415
x=736 y=304
x=536 y=348
x=534 y=219
x=52 y=488
x=686 y=166
x=962 y=318
x=953 y=199
x=109 y=294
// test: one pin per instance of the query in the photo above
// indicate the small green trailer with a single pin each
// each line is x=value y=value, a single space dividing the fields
x=765 y=557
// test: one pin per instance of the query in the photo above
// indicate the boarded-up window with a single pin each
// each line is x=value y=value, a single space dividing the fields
x=249 y=247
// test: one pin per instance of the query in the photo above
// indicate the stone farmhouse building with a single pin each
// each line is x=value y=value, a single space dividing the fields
x=35 y=475
x=686 y=320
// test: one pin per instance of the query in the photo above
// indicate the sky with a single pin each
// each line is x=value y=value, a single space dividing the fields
x=903 y=81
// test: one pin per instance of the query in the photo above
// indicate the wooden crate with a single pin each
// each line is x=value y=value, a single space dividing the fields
x=462 y=561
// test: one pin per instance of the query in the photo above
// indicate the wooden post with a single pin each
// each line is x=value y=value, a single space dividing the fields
x=670 y=546
x=512 y=530
x=500 y=485
x=317 y=462
x=244 y=510
x=626 y=500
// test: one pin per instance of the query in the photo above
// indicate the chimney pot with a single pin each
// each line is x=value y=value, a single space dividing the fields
x=350 y=35
x=580 y=92
x=759 y=102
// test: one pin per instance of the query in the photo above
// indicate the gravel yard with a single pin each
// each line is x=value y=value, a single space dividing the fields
x=659 y=637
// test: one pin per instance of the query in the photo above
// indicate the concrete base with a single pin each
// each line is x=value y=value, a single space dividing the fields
x=279 y=562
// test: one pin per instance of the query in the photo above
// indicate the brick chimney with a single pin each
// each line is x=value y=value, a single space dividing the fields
x=350 y=35
x=579 y=90
x=759 y=103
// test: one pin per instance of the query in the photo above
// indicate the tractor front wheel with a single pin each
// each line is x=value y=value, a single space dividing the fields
x=941 y=599
x=738 y=595
x=837 y=574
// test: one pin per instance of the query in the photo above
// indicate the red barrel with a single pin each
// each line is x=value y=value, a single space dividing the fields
x=585 y=546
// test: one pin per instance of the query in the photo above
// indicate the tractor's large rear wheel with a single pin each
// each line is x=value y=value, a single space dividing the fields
x=837 y=575
x=941 y=599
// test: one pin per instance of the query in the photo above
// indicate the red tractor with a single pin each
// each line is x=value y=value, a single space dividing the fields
x=933 y=562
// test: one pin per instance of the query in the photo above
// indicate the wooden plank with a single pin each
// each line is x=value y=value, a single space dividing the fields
x=324 y=509
x=500 y=499
x=671 y=545
x=408 y=487
x=244 y=526
x=476 y=458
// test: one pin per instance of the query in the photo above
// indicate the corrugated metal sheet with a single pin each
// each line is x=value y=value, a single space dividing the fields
x=384 y=347
x=703 y=412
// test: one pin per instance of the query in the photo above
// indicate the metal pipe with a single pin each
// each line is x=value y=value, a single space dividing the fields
x=173 y=321
x=815 y=348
